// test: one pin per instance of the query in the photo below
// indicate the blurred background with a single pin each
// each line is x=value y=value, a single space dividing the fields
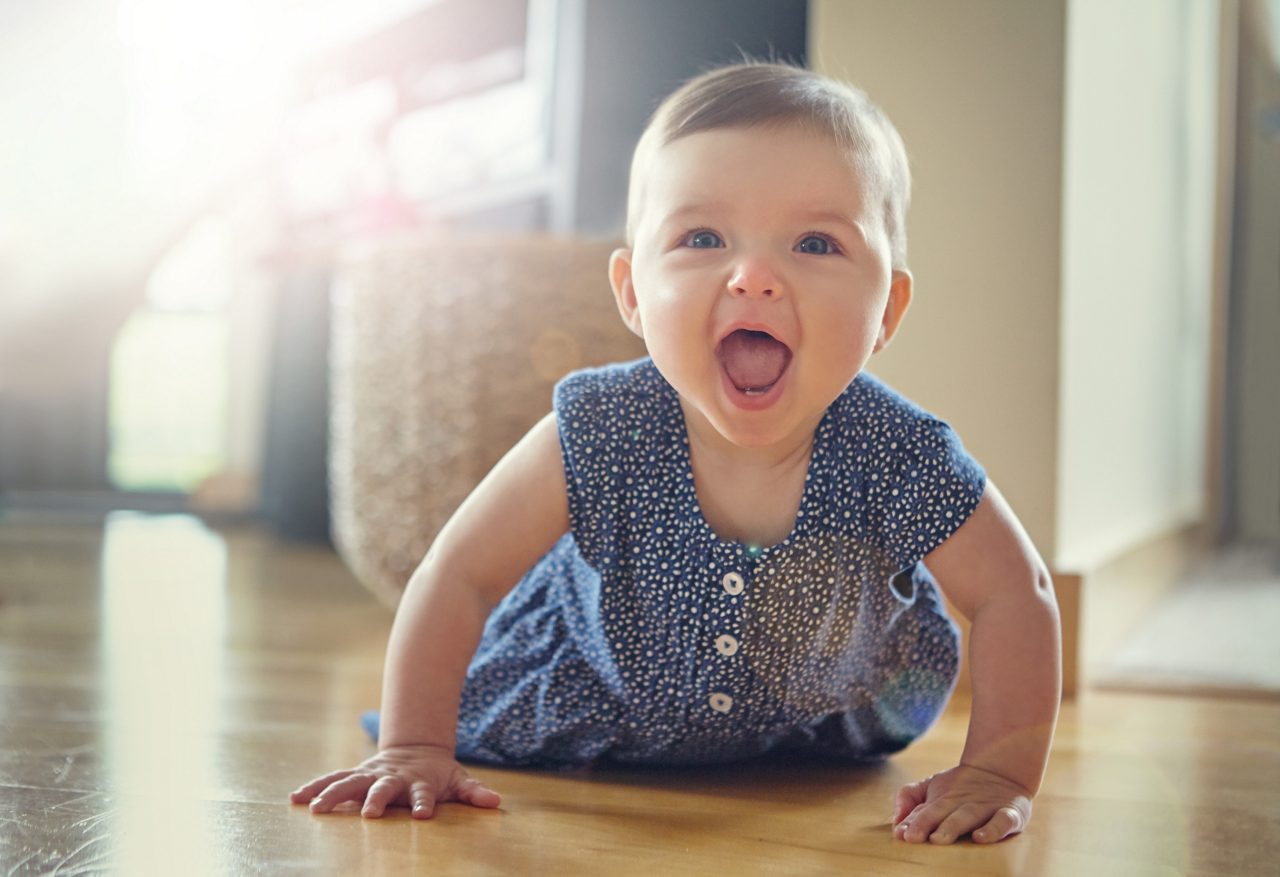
x=176 y=178
x=1095 y=232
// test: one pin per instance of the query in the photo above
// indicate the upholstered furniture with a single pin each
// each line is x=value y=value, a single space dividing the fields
x=445 y=351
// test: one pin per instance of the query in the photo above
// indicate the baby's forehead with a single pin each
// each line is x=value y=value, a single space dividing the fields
x=694 y=167
x=766 y=134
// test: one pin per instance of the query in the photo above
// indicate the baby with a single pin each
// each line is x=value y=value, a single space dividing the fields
x=736 y=545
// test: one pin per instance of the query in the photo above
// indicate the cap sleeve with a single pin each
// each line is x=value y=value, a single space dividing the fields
x=588 y=461
x=928 y=488
x=605 y=417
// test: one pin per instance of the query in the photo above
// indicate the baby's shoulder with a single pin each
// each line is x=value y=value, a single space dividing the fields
x=615 y=431
x=872 y=410
x=615 y=413
x=873 y=426
x=620 y=393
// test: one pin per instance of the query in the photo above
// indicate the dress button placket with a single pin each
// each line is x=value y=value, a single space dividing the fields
x=727 y=645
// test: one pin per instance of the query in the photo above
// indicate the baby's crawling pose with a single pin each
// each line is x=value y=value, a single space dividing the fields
x=735 y=545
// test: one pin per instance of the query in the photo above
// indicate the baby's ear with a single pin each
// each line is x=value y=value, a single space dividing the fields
x=624 y=291
x=894 y=309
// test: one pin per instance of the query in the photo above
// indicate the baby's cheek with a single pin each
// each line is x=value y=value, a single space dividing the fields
x=669 y=332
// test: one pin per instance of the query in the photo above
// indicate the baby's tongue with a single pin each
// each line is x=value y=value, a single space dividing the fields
x=753 y=360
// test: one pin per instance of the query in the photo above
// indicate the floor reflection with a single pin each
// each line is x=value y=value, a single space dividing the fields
x=159 y=697
x=164 y=617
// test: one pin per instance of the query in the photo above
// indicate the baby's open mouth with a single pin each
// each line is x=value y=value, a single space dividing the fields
x=754 y=361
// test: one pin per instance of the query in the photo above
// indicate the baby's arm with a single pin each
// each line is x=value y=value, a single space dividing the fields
x=992 y=573
x=511 y=519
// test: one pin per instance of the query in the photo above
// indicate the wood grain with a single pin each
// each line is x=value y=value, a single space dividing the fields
x=164 y=685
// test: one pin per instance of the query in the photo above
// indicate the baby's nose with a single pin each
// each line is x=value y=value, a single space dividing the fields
x=755 y=276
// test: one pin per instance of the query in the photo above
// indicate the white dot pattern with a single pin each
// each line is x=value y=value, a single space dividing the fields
x=643 y=637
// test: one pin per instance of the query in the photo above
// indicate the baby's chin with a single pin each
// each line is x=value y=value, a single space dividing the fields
x=723 y=424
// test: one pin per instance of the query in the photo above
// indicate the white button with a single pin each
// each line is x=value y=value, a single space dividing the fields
x=721 y=703
x=733 y=584
x=726 y=645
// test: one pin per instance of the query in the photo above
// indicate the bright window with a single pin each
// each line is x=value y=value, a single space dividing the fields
x=167 y=414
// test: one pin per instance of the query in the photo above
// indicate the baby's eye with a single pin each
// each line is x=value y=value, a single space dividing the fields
x=816 y=245
x=703 y=240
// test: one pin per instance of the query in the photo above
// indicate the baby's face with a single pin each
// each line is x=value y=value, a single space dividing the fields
x=759 y=278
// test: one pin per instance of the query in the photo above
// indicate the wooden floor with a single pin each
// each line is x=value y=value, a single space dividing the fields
x=163 y=686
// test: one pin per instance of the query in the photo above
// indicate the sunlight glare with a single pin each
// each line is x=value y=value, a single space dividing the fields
x=163 y=650
x=199 y=68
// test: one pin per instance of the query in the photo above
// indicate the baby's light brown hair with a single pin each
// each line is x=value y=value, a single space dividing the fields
x=755 y=94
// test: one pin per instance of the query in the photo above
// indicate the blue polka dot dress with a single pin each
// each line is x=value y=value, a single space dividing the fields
x=643 y=637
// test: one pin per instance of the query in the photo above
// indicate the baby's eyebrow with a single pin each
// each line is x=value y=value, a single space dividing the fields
x=836 y=217
x=696 y=208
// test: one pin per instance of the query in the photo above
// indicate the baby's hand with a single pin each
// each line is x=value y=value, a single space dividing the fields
x=961 y=800
x=416 y=776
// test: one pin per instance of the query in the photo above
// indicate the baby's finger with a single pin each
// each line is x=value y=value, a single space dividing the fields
x=477 y=794
x=960 y=821
x=908 y=798
x=1006 y=821
x=422 y=801
x=380 y=794
x=352 y=788
x=905 y=822
x=922 y=821
x=305 y=793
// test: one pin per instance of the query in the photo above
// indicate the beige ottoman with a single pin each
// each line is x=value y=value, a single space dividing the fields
x=445 y=351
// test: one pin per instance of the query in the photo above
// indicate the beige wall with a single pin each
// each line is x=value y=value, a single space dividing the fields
x=1062 y=241
x=1137 y=279
x=976 y=89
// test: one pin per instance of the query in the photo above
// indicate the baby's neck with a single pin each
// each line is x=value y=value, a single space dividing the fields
x=750 y=495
